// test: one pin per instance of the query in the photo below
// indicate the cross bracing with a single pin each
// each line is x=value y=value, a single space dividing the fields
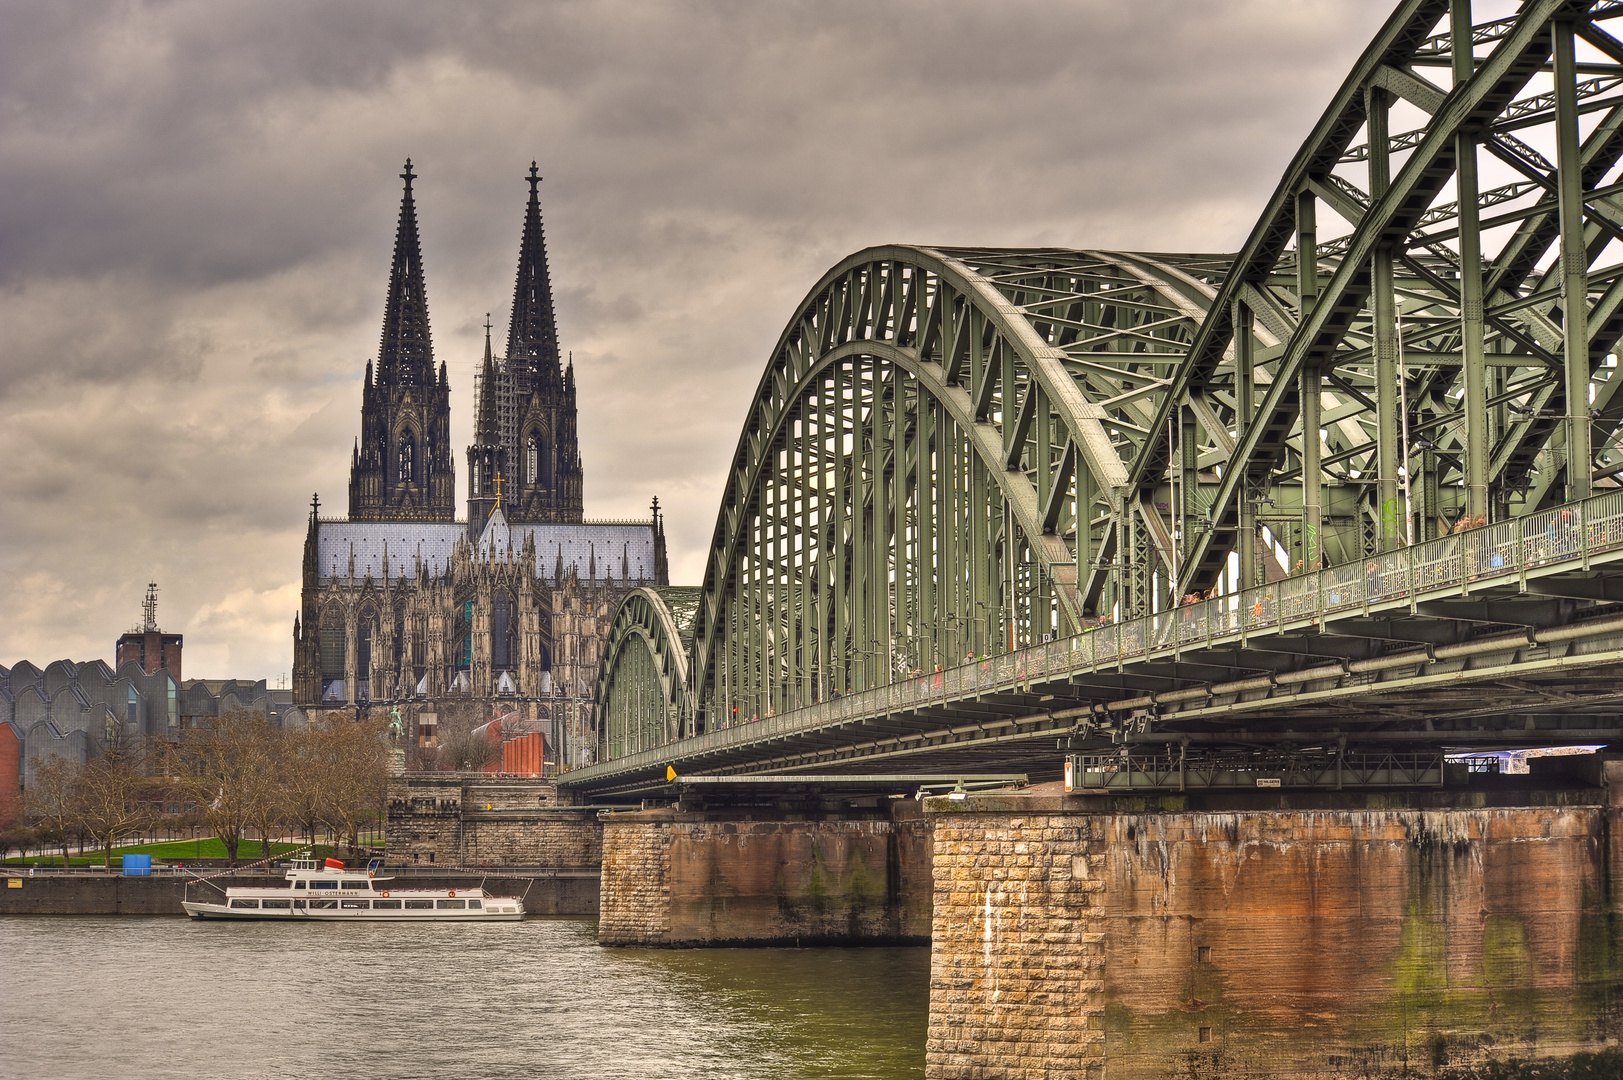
x=967 y=452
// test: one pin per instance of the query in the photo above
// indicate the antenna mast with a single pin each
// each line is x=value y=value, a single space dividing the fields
x=149 y=608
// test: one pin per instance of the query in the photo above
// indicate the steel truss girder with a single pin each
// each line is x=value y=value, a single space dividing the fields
x=1040 y=364
x=643 y=679
x=1335 y=329
x=1117 y=427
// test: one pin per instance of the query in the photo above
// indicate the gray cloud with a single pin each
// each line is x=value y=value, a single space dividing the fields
x=200 y=201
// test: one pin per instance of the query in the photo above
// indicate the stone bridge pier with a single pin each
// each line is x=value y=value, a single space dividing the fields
x=832 y=872
x=1269 y=934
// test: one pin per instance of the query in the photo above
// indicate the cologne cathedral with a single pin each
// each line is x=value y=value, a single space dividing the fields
x=402 y=602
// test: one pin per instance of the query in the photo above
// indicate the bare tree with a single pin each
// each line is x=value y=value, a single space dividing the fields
x=268 y=804
x=14 y=829
x=224 y=762
x=423 y=758
x=356 y=760
x=464 y=747
x=303 y=777
x=109 y=799
x=51 y=802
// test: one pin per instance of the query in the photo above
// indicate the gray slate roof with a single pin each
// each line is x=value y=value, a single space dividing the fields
x=617 y=545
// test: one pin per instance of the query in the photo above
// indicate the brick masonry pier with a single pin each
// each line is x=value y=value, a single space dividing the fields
x=735 y=877
x=1325 y=935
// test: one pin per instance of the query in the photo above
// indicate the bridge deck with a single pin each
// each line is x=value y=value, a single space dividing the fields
x=1503 y=634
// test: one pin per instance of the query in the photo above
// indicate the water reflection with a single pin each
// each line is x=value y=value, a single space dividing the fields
x=89 y=997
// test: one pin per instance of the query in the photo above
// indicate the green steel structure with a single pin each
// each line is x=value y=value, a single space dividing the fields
x=645 y=669
x=961 y=458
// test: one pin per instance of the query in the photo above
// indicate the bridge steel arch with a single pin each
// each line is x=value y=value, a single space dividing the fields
x=1415 y=282
x=907 y=486
x=643 y=680
x=962 y=451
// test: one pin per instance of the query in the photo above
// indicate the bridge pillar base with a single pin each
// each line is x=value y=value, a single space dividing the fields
x=1301 y=935
x=727 y=877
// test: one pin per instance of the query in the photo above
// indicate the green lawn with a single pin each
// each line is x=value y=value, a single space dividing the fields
x=172 y=851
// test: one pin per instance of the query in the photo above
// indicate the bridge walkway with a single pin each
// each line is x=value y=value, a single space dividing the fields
x=1510 y=632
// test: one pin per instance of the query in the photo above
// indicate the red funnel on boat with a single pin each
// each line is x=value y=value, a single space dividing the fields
x=335 y=864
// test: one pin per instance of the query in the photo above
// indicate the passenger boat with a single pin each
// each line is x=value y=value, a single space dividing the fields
x=328 y=890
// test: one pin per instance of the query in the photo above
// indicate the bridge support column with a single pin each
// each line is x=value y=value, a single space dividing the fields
x=833 y=875
x=1310 y=935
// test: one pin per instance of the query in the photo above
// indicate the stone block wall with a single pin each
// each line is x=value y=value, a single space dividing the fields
x=561 y=838
x=1018 y=962
x=474 y=820
x=721 y=878
x=1374 y=936
x=634 y=898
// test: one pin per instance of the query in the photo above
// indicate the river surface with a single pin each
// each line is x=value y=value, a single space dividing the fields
x=139 y=997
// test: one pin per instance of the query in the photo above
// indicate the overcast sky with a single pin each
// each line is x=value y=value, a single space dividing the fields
x=197 y=202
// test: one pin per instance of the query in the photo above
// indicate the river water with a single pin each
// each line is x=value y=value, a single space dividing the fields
x=148 y=997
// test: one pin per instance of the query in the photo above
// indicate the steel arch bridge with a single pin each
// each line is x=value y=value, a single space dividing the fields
x=977 y=453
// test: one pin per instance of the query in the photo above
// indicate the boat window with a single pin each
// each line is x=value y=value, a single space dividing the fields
x=276 y=904
x=393 y=905
x=454 y=904
x=357 y=905
x=324 y=903
x=301 y=884
x=238 y=902
x=299 y=902
x=419 y=903
x=473 y=903
x=362 y=884
x=324 y=884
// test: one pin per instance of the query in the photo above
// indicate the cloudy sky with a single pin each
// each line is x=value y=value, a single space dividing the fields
x=197 y=202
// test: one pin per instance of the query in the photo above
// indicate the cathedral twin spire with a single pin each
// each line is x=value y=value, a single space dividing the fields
x=532 y=336
x=525 y=416
x=402 y=468
x=525 y=424
x=406 y=354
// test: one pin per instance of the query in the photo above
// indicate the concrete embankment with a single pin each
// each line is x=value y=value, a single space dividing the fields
x=559 y=892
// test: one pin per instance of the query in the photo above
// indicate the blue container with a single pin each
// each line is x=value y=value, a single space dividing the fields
x=138 y=866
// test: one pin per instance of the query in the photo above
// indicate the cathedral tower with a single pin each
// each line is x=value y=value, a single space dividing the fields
x=545 y=451
x=401 y=469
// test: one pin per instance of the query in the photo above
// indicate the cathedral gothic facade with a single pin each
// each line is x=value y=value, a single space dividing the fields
x=402 y=602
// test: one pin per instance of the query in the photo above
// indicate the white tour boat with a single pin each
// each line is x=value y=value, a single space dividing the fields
x=328 y=890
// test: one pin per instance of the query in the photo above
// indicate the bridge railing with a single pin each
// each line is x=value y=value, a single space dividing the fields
x=1504 y=550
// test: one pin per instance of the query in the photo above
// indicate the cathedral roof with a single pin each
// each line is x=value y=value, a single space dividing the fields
x=496 y=535
x=370 y=541
x=613 y=545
